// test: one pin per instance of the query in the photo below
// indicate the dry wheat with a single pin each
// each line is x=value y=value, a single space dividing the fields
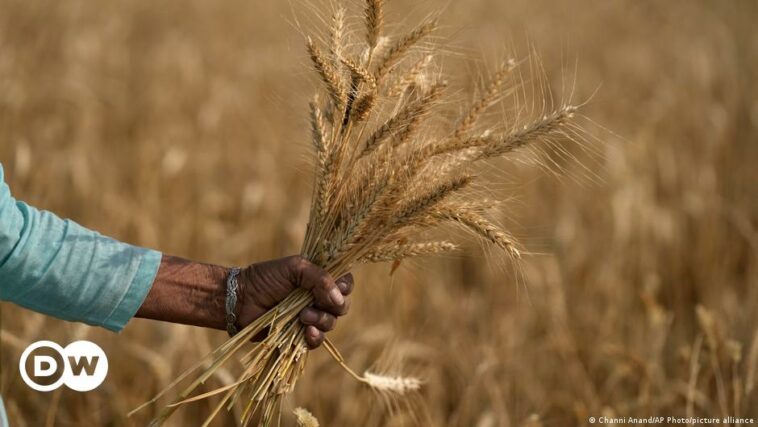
x=397 y=250
x=328 y=74
x=304 y=418
x=396 y=52
x=374 y=21
x=382 y=175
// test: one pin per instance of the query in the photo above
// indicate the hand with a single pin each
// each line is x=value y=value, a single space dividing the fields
x=263 y=285
x=193 y=293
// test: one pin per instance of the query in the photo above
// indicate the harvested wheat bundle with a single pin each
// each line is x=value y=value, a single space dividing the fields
x=383 y=176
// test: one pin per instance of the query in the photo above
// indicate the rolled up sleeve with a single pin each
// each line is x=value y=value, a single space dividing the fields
x=57 y=267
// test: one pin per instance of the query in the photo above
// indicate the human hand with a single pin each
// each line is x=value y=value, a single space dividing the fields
x=263 y=285
x=193 y=293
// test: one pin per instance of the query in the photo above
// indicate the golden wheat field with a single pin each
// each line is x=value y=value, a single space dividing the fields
x=184 y=126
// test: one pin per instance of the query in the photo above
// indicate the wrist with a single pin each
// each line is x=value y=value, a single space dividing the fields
x=231 y=306
x=188 y=293
x=214 y=307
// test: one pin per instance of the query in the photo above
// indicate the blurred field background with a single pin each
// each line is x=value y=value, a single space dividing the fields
x=182 y=126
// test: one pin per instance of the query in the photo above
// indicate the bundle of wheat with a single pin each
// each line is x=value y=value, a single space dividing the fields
x=383 y=176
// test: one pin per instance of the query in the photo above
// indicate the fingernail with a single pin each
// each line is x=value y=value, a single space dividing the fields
x=335 y=296
x=309 y=316
x=342 y=284
x=313 y=332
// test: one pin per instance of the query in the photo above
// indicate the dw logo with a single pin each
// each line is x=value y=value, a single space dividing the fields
x=81 y=366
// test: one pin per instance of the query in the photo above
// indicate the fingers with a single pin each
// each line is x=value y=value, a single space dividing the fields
x=327 y=294
x=313 y=337
x=345 y=283
x=331 y=298
x=318 y=321
x=322 y=320
x=338 y=310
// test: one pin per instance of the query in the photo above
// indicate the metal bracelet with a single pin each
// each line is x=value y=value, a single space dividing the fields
x=231 y=301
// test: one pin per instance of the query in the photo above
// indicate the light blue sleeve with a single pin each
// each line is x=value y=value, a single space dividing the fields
x=62 y=269
x=3 y=415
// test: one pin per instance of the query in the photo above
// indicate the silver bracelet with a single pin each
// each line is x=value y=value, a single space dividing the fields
x=231 y=301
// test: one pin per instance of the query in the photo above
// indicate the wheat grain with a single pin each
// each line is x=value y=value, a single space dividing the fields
x=422 y=203
x=374 y=21
x=329 y=76
x=481 y=226
x=405 y=121
x=304 y=418
x=547 y=125
x=359 y=73
x=337 y=32
x=420 y=111
x=485 y=100
x=396 y=52
x=363 y=106
x=397 y=250
x=411 y=77
x=318 y=131
x=397 y=385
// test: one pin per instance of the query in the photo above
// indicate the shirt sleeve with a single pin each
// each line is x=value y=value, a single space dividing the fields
x=59 y=268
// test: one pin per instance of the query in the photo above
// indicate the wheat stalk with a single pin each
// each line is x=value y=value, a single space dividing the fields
x=382 y=175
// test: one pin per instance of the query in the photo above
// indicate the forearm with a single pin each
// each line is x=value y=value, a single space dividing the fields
x=59 y=268
x=187 y=292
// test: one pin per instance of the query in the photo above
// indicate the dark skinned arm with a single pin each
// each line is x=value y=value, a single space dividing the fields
x=193 y=293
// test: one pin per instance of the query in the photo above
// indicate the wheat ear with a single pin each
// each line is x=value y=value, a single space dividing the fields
x=304 y=418
x=358 y=71
x=388 y=384
x=410 y=77
x=486 y=99
x=545 y=126
x=374 y=21
x=401 y=47
x=410 y=210
x=318 y=131
x=404 y=121
x=328 y=73
x=337 y=32
x=397 y=250
x=481 y=226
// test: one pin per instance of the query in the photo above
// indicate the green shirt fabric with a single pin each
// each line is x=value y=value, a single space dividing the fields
x=57 y=267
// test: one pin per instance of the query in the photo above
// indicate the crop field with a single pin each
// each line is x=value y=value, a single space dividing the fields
x=183 y=126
